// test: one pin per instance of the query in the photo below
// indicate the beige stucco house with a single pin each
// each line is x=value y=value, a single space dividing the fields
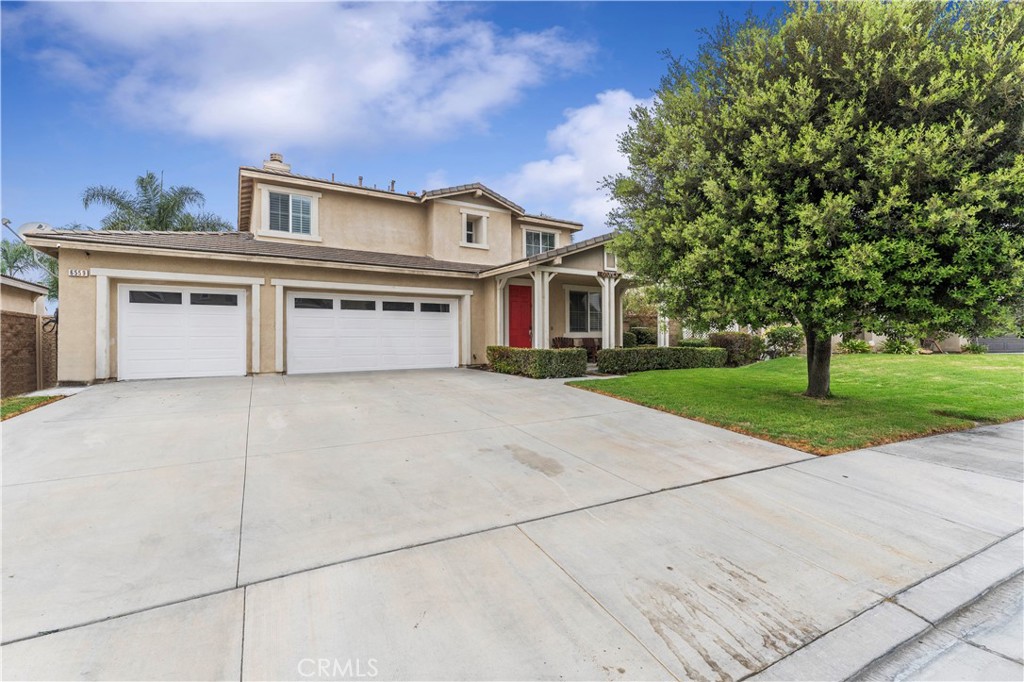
x=325 y=276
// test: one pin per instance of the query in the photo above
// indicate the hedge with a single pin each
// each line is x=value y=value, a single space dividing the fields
x=741 y=348
x=628 y=340
x=693 y=343
x=645 y=336
x=626 y=360
x=539 y=363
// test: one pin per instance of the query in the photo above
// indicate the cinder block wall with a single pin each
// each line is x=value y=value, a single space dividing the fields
x=17 y=353
x=48 y=356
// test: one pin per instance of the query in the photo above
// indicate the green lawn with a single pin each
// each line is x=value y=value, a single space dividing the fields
x=15 y=405
x=878 y=398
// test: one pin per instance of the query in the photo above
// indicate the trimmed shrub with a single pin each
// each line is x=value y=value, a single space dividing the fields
x=896 y=346
x=645 y=336
x=626 y=360
x=974 y=348
x=693 y=343
x=784 y=341
x=741 y=348
x=628 y=340
x=538 y=363
x=853 y=346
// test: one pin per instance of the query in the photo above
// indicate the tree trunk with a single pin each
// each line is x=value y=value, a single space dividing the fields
x=819 y=364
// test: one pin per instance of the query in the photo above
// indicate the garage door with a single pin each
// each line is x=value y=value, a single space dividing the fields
x=354 y=332
x=168 y=332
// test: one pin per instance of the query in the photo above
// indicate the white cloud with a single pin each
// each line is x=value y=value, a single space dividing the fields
x=585 y=150
x=282 y=75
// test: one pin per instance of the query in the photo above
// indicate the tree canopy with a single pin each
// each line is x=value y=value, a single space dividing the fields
x=850 y=165
x=153 y=207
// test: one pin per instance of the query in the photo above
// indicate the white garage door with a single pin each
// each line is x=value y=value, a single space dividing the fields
x=168 y=332
x=357 y=332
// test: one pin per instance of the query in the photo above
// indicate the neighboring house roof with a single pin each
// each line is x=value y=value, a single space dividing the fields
x=244 y=244
x=246 y=189
x=23 y=284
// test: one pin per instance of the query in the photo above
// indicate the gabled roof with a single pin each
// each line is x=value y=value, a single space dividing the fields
x=244 y=244
x=552 y=254
x=245 y=195
x=473 y=187
x=33 y=287
x=569 y=248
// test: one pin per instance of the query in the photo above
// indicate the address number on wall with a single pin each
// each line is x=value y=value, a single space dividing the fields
x=78 y=273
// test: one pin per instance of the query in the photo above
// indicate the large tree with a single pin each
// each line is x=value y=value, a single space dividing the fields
x=849 y=165
x=153 y=207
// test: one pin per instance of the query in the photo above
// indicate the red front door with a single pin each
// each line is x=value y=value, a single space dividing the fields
x=520 y=316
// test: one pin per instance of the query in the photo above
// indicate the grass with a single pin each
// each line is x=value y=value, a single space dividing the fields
x=877 y=398
x=15 y=405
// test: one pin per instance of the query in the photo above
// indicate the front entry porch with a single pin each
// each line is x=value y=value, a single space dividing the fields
x=555 y=307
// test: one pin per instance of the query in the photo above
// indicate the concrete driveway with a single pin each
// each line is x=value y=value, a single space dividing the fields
x=452 y=524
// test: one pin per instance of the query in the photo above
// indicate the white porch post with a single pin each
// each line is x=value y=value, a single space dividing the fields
x=500 y=327
x=608 y=326
x=541 y=308
x=538 y=306
x=662 y=330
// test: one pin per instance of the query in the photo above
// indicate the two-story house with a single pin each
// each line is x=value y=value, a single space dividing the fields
x=325 y=276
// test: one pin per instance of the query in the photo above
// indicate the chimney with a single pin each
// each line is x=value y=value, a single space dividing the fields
x=276 y=163
x=360 y=180
x=392 y=187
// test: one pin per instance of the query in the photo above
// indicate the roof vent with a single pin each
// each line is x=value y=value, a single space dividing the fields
x=276 y=163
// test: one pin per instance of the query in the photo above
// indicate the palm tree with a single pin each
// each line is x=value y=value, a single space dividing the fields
x=20 y=259
x=154 y=208
x=16 y=258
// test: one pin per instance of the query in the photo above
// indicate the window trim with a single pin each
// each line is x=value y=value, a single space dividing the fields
x=539 y=229
x=568 y=288
x=480 y=229
x=314 y=213
x=615 y=258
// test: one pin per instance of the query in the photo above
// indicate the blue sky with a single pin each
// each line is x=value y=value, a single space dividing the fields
x=525 y=97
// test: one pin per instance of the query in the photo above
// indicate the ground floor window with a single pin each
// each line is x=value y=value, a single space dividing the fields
x=584 y=312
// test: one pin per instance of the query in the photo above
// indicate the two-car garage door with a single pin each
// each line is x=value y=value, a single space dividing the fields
x=359 y=332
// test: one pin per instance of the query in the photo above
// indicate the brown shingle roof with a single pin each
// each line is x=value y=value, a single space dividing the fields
x=473 y=187
x=243 y=244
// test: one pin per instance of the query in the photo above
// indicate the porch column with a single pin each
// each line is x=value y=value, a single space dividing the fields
x=536 y=336
x=608 y=283
x=541 y=308
x=502 y=336
x=662 y=330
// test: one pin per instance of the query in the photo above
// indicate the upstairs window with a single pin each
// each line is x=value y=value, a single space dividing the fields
x=289 y=213
x=474 y=229
x=539 y=242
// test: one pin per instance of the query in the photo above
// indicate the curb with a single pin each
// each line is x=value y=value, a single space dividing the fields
x=843 y=652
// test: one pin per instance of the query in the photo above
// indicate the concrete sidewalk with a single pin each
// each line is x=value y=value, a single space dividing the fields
x=680 y=559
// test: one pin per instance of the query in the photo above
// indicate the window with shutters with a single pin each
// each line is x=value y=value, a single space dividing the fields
x=290 y=213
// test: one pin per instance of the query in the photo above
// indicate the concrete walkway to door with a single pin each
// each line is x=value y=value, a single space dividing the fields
x=451 y=524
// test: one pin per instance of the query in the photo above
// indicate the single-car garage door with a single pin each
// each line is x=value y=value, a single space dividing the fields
x=357 y=332
x=166 y=332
